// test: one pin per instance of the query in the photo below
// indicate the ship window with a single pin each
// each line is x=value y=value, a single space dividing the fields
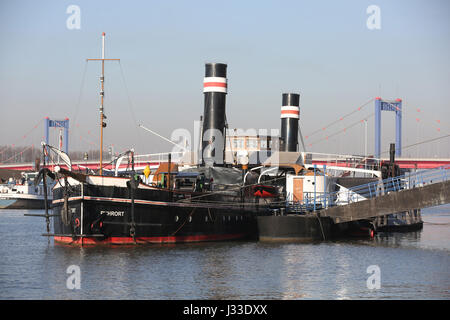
x=252 y=144
x=190 y=218
x=206 y=218
x=263 y=144
x=238 y=144
x=176 y=218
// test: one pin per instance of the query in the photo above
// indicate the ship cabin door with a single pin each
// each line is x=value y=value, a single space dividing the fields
x=297 y=189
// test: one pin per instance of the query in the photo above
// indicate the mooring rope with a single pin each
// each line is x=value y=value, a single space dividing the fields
x=187 y=218
x=321 y=228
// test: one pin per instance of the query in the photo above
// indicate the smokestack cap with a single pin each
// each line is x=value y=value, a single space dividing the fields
x=291 y=99
x=215 y=70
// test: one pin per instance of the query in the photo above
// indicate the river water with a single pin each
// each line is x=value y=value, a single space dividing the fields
x=414 y=265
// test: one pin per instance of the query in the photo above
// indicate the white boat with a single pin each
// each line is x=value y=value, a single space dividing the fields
x=23 y=194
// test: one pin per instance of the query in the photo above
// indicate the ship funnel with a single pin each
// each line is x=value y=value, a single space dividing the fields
x=213 y=136
x=290 y=114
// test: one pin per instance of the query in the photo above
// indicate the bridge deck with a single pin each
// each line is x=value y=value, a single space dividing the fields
x=420 y=197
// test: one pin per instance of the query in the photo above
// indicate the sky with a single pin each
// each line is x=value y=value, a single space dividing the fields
x=322 y=50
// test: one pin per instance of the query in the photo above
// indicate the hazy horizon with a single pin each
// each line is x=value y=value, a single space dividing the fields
x=323 y=50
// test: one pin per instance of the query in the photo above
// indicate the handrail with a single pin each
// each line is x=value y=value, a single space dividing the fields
x=159 y=157
x=375 y=189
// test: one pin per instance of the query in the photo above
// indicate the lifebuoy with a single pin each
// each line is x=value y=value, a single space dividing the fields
x=77 y=222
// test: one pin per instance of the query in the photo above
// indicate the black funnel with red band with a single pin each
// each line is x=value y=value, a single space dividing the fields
x=290 y=114
x=215 y=91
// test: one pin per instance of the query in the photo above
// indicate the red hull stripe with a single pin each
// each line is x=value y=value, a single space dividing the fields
x=143 y=240
x=230 y=206
x=122 y=200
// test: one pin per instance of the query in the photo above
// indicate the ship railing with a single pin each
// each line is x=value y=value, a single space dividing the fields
x=319 y=200
x=151 y=158
x=159 y=157
x=309 y=203
x=341 y=160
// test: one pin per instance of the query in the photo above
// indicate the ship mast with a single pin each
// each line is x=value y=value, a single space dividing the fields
x=102 y=96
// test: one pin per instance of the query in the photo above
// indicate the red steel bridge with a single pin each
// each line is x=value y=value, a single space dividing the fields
x=404 y=163
x=323 y=134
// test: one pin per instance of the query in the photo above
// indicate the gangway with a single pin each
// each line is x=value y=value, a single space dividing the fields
x=407 y=192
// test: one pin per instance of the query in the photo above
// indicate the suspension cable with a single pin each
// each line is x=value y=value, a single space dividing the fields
x=342 y=130
x=340 y=119
x=421 y=142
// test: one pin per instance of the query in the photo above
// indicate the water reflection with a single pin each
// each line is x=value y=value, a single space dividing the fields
x=414 y=265
x=398 y=239
x=293 y=272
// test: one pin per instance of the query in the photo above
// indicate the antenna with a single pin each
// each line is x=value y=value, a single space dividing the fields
x=156 y=134
x=102 y=95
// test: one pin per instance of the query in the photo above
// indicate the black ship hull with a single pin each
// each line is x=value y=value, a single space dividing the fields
x=108 y=214
x=400 y=222
x=294 y=227
x=305 y=227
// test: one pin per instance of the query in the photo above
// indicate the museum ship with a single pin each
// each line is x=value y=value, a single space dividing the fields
x=210 y=199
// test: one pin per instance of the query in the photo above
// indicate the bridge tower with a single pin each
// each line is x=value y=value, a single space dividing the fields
x=58 y=124
x=385 y=105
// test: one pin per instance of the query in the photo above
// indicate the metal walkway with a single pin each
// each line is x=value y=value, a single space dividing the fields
x=411 y=191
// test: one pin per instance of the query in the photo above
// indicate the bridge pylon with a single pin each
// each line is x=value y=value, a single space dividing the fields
x=58 y=124
x=386 y=105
